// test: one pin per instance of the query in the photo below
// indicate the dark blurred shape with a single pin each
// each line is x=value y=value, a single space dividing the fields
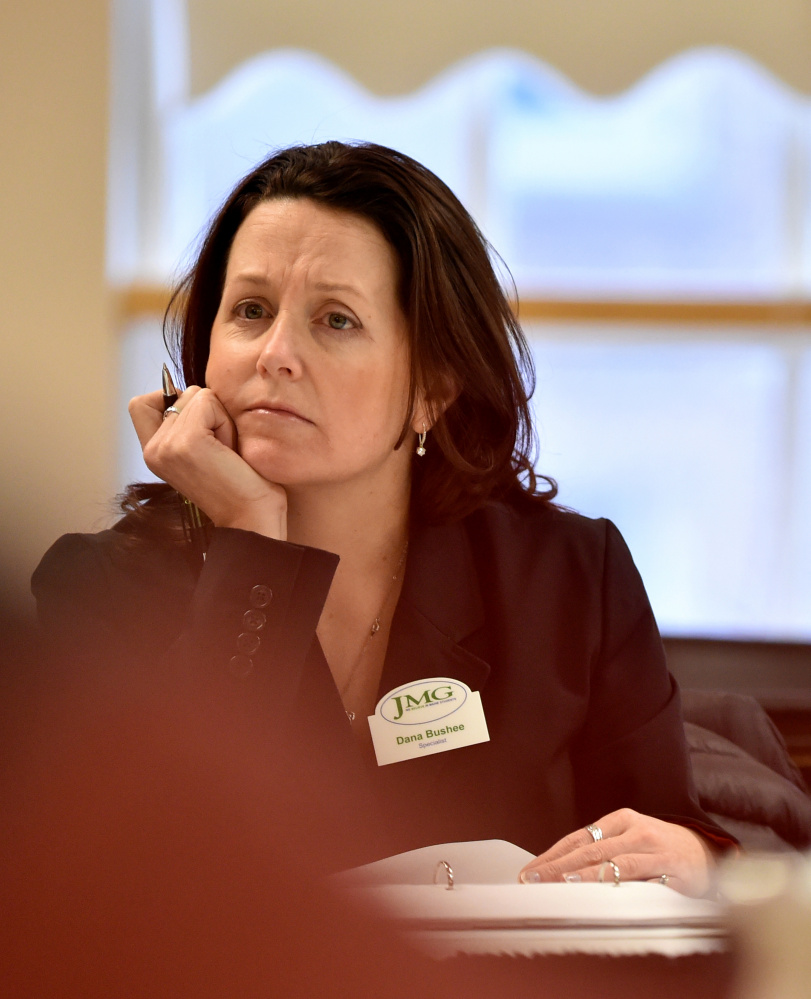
x=159 y=840
x=745 y=779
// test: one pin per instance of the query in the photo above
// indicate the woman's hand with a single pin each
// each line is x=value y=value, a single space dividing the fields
x=641 y=847
x=194 y=451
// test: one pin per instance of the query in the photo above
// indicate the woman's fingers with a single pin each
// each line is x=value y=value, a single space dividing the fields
x=211 y=413
x=586 y=866
x=198 y=410
x=609 y=826
x=576 y=861
x=190 y=443
x=193 y=449
x=574 y=841
x=641 y=847
x=147 y=414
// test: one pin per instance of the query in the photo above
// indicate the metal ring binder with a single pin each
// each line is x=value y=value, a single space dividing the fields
x=444 y=865
x=614 y=868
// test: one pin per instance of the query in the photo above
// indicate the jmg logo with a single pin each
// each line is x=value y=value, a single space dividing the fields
x=424 y=701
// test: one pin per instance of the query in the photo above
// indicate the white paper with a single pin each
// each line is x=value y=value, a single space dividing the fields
x=481 y=862
x=517 y=906
x=488 y=911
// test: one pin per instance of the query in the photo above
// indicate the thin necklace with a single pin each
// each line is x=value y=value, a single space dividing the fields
x=373 y=630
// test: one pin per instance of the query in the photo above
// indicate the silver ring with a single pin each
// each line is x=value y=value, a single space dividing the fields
x=171 y=409
x=614 y=868
x=596 y=832
x=663 y=879
x=443 y=865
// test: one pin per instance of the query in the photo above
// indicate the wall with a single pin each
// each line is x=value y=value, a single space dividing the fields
x=57 y=376
x=57 y=371
x=603 y=45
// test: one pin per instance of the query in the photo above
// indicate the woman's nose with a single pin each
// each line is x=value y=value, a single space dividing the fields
x=280 y=350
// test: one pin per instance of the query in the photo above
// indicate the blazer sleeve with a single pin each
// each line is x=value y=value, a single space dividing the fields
x=249 y=616
x=632 y=750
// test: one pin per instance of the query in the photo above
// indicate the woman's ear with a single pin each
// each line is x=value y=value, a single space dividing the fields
x=429 y=406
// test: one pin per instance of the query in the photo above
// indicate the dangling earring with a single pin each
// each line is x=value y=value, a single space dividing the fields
x=421 y=444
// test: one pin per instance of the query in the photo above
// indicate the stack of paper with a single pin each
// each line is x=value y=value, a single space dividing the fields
x=488 y=911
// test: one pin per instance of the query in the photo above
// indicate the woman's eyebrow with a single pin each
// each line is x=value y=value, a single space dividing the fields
x=248 y=277
x=259 y=278
x=330 y=287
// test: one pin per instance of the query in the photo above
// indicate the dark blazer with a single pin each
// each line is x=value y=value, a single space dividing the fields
x=541 y=610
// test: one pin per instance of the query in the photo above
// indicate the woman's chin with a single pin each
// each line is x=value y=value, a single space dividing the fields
x=272 y=462
x=292 y=467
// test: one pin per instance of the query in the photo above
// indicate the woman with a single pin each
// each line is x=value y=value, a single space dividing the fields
x=356 y=429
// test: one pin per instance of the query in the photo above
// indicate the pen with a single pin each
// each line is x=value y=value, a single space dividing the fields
x=169 y=390
x=195 y=523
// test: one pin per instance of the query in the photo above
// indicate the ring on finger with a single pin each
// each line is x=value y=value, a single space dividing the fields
x=595 y=832
x=663 y=879
x=171 y=409
x=615 y=870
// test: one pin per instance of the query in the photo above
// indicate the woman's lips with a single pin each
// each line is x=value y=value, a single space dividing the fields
x=271 y=411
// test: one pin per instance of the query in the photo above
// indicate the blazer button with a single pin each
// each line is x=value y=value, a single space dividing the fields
x=261 y=596
x=253 y=620
x=240 y=666
x=248 y=642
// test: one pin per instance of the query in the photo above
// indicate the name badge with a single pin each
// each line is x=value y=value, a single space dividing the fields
x=426 y=717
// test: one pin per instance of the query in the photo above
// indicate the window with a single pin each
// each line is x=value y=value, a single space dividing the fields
x=695 y=185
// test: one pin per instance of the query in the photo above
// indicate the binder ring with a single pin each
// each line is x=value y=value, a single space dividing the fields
x=614 y=868
x=444 y=865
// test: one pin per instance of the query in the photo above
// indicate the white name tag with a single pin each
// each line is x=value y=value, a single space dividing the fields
x=426 y=717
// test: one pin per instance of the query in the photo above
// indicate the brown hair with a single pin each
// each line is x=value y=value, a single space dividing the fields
x=462 y=330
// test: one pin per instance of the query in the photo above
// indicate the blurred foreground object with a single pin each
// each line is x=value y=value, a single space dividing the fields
x=770 y=916
x=745 y=778
x=157 y=842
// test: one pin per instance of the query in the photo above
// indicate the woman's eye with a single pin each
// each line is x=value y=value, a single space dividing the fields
x=252 y=310
x=338 y=321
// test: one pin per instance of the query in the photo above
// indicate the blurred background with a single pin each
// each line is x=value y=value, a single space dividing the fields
x=643 y=168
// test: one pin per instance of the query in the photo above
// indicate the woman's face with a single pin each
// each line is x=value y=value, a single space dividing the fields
x=309 y=349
